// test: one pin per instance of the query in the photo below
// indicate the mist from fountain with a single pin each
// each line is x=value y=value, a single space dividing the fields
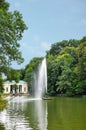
x=40 y=80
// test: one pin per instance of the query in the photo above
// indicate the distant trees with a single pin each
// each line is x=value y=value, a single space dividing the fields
x=81 y=52
x=57 y=47
x=66 y=68
x=27 y=74
x=81 y=66
x=59 y=75
x=30 y=69
x=66 y=60
x=1 y=85
x=13 y=74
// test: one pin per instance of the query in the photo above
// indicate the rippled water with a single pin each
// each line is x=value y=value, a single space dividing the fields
x=25 y=113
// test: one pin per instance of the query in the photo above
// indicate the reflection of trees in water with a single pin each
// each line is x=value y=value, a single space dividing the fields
x=13 y=117
x=2 y=126
x=23 y=113
x=67 y=114
x=59 y=113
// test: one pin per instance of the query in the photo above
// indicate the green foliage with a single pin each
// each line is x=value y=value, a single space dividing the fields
x=58 y=72
x=30 y=69
x=22 y=74
x=12 y=27
x=1 y=84
x=81 y=51
x=13 y=74
x=57 y=47
x=3 y=104
x=4 y=5
x=15 y=87
x=67 y=67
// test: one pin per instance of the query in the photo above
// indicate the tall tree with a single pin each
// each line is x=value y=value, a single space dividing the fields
x=1 y=84
x=81 y=51
x=13 y=74
x=30 y=69
x=12 y=27
x=57 y=47
x=81 y=66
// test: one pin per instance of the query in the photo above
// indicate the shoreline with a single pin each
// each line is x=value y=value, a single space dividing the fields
x=3 y=103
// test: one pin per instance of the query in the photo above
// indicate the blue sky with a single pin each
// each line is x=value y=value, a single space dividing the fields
x=49 y=21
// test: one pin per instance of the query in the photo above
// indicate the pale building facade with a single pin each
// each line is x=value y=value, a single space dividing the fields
x=11 y=87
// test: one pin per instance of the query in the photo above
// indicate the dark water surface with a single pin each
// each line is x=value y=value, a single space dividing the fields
x=60 y=113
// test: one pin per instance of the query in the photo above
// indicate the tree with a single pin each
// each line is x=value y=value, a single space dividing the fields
x=53 y=71
x=81 y=67
x=59 y=46
x=13 y=74
x=12 y=27
x=81 y=51
x=30 y=69
x=22 y=74
x=62 y=59
x=1 y=85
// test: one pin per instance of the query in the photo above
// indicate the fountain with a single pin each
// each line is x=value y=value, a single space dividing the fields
x=40 y=80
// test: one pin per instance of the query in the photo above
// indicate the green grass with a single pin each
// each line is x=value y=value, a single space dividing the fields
x=3 y=103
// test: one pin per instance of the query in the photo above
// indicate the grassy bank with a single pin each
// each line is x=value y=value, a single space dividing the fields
x=3 y=103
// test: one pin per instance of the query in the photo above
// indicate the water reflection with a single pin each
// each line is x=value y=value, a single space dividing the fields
x=67 y=114
x=24 y=114
x=2 y=127
x=41 y=114
x=36 y=110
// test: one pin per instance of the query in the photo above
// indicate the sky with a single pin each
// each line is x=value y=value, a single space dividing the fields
x=48 y=22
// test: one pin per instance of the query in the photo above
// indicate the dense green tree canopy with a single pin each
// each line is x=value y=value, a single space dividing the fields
x=12 y=27
x=31 y=68
x=81 y=51
x=13 y=74
x=66 y=68
x=1 y=85
x=57 y=47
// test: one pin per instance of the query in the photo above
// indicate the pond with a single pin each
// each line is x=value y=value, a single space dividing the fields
x=60 y=113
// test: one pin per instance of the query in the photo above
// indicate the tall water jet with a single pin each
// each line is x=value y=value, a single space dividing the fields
x=40 y=80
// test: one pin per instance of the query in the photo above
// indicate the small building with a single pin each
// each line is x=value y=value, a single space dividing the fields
x=11 y=87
